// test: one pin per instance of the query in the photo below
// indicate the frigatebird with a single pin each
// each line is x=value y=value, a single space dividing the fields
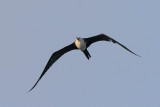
x=81 y=44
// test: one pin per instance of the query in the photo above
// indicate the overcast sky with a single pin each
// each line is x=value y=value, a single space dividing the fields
x=31 y=30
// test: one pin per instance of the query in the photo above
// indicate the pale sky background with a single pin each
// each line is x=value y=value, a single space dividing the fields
x=31 y=30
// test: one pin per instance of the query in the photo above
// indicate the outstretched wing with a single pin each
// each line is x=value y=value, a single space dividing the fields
x=103 y=37
x=55 y=56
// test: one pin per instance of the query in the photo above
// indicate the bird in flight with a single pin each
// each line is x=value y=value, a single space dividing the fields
x=81 y=44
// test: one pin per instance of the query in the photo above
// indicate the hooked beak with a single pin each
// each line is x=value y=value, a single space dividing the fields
x=77 y=38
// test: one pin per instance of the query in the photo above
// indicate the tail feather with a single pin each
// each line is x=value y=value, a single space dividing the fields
x=87 y=54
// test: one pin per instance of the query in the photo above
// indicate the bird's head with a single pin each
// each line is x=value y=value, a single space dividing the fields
x=78 y=38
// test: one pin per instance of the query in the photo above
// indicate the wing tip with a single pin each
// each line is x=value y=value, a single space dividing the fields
x=137 y=55
x=31 y=88
x=34 y=85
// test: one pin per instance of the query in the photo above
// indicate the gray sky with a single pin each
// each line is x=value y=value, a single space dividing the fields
x=31 y=30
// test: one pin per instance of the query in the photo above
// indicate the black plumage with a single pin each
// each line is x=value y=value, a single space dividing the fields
x=88 y=41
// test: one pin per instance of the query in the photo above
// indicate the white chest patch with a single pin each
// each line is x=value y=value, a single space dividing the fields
x=80 y=44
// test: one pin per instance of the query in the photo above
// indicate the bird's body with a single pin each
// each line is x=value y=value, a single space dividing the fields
x=81 y=44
